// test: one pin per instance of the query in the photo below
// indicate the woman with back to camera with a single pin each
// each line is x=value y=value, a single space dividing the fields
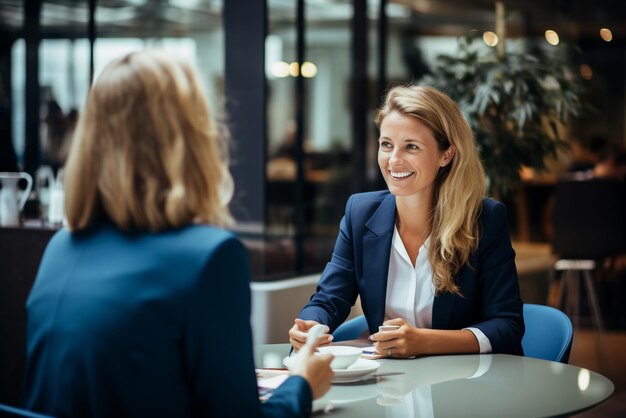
x=431 y=255
x=142 y=307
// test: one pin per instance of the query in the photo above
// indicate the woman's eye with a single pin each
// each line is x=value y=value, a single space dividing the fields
x=412 y=147
x=385 y=145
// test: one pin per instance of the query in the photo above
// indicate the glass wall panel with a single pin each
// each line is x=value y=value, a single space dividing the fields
x=328 y=139
x=326 y=131
x=280 y=65
x=281 y=165
x=190 y=29
x=63 y=78
x=18 y=80
x=11 y=23
x=64 y=83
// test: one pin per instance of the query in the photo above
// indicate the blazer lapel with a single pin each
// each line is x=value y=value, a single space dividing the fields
x=376 y=247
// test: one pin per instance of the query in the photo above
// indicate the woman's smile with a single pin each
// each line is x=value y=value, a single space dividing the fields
x=400 y=175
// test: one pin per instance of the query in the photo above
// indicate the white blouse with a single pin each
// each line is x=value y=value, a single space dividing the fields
x=411 y=291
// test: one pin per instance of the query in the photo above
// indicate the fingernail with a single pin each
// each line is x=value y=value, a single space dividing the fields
x=331 y=338
x=371 y=337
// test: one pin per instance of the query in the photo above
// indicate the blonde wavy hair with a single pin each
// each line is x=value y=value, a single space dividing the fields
x=146 y=152
x=459 y=187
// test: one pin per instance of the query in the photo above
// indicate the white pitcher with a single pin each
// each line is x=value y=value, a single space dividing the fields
x=11 y=202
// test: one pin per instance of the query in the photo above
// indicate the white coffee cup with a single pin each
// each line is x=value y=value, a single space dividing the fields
x=345 y=355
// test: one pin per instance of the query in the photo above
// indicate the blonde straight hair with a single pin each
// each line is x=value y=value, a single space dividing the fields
x=459 y=187
x=146 y=152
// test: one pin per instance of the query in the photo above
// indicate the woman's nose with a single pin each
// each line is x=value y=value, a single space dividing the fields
x=395 y=157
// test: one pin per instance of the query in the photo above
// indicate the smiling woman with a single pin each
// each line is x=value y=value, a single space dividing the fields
x=409 y=156
x=431 y=130
x=432 y=254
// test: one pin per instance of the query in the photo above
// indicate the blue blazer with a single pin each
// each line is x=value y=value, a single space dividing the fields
x=147 y=325
x=490 y=298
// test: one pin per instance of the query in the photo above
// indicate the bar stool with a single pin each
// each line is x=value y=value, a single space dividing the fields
x=573 y=272
x=588 y=221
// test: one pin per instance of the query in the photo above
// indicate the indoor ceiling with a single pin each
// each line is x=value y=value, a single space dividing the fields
x=574 y=18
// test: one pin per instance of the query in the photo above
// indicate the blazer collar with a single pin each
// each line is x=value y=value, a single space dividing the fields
x=382 y=221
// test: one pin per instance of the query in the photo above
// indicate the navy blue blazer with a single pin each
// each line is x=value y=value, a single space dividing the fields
x=147 y=325
x=490 y=298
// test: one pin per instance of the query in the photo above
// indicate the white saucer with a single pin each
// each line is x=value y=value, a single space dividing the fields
x=355 y=372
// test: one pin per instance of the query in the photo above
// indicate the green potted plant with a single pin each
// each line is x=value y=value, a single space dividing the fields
x=517 y=104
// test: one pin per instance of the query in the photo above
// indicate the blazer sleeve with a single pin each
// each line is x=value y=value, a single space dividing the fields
x=337 y=288
x=218 y=345
x=502 y=306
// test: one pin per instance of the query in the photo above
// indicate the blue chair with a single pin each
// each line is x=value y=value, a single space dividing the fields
x=549 y=332
x=11 y=411
x=351 y=329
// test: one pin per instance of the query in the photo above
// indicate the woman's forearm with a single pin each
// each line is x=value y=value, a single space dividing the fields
x=437 y=341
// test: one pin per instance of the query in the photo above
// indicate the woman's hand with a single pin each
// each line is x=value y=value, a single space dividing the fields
x=403 y=342
x=299 y=332
x=315 y=368
x=408 y=341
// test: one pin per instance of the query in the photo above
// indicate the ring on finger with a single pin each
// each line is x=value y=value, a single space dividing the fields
x=389 y=352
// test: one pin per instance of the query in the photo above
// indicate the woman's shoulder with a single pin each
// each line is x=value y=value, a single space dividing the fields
x=200 y=238
x=493 y=217
x=190 y=239
x=364 y=205
x=375 y=196
x=210 y=234
x=491 y=206
x=368 y=199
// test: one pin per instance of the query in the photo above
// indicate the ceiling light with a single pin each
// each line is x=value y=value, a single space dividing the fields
x=490 y=38
x=552 y=37
x=294 y=69
x=308 y=69
x=280 y=69
x=606 y=34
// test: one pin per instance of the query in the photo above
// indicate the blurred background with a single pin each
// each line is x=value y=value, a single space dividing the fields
x=298 y=82
x=302 y=140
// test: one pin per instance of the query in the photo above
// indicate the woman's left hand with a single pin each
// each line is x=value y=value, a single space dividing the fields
x=403 y=342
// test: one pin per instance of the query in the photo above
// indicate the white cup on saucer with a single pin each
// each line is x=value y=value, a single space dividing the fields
x=345 y=355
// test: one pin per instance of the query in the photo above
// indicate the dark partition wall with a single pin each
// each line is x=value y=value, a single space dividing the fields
x=20 y=252
x=245 y=29
x=32 y=36
x=8 y=159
